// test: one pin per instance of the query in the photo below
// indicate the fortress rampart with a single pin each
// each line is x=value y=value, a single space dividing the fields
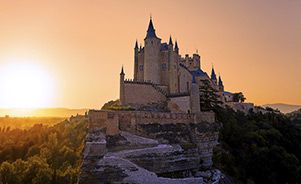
x=116 y=121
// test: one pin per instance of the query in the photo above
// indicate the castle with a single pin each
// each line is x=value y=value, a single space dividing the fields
x=162 y=74
x=146 y=145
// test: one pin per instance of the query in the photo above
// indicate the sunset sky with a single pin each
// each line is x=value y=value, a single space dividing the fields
x=72 y=51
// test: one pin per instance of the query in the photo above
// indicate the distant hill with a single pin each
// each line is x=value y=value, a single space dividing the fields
x=284 y=108
x=41 y=112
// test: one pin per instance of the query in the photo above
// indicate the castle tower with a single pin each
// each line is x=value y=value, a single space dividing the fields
x=121 y=93
x=172 y=68
x=213 y=76
x=152 y=61
x=176 y=47
x=220 y=84
x=194 y=96
x=136 y=60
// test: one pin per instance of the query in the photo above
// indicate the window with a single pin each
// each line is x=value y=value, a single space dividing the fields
x=164 y=66
x=141 y=67
x=187 y=86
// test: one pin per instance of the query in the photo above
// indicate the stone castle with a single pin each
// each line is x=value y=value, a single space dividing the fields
x=173 y=145
x=162 y=74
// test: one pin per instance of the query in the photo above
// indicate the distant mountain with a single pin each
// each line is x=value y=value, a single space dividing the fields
x=41 y=112
x=284 y=108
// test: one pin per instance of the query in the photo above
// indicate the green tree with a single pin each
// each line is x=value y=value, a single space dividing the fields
x=209 y=98
x=8 y=174
x=239 y=97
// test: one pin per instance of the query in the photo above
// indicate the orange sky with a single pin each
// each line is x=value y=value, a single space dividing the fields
x=255 y=45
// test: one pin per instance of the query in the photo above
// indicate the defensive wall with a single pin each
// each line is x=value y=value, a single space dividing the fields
x=115 y=121
x=141 y=92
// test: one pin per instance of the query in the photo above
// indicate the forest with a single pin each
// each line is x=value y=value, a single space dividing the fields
x=259 y=148
x=253 y=148
x=42 y=154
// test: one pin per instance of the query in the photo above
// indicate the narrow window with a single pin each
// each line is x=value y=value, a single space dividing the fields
x=187 y=86
x=164 y=66
x=141 y=67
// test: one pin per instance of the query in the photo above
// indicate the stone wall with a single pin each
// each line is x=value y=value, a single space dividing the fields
x=114 y=121
x=244 y=107
x=141 y=93
x=185 y=79
x=179 y=104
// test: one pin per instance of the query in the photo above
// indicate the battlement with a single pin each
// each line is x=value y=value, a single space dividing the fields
x=115 y=121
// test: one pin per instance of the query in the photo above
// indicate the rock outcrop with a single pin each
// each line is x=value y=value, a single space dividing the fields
x=151 y=153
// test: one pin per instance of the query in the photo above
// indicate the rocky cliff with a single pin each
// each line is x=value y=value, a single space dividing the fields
x=150 y=153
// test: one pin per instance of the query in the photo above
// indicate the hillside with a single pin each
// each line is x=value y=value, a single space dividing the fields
x=284 y=108
x=42 y=112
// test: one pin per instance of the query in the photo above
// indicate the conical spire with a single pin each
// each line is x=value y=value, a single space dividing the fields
x=170 y=41
x=213 y=76
x=220 y=82
x=136 y=45
x=176 y=45
x=150 y=31
x=122 y=73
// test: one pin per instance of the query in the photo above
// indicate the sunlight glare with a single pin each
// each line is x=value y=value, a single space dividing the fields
x=24 y=85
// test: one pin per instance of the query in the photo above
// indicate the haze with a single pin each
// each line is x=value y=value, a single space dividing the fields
x=81 y=45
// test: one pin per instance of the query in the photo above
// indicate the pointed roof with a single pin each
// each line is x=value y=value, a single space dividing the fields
x=213 y=76
x=220 y=82
x=170 y=41
x=176 y=45
x=136 y=45
x=150 y=31
x=122 y=73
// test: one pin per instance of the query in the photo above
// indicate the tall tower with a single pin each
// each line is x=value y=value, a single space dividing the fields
x=220 y=84
x=173 y=78
x=176 y=47
x=152 y=62
x=136 y=61
x=121 y=87
x=213 y=76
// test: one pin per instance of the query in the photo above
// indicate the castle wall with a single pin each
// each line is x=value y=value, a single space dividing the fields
x=141 y=94
x=193 y=63
x=228 y=98
x=185 y=80
x=111 y=122
x=179 y=104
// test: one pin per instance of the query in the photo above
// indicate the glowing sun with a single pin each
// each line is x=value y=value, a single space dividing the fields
x=24 y=85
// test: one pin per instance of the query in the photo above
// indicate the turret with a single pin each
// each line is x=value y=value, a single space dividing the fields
x=136 y=60
x=176 y=47
x=121 y=94
x=194 y=96
x=213 y=76
x=220 y=84
x=152 y=61
x=170 y=41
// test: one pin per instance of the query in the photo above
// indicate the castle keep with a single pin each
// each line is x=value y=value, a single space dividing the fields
x=162 y=74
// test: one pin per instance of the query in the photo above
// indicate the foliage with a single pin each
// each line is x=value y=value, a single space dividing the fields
x=262 y=148
x=43 y=154
x=114 y=106
x=209 y=99
x=295 y=116
x=239 y=97
x=28 y=122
